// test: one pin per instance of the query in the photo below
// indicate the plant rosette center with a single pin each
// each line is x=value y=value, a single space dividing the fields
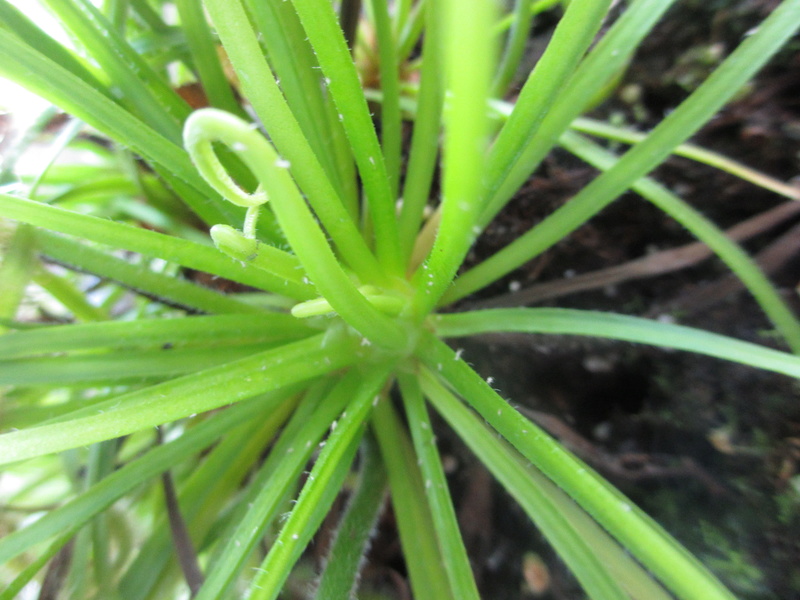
x=392 y=303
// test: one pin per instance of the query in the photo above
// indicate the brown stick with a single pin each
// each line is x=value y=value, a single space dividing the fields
x=770 y=259
x=187 y=557
x=57 y=572
x=658 y=263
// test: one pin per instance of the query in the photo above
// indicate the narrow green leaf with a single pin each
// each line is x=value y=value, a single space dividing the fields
x=514 y=47
x=18 y=261
x=566 y=321
x=156 y=461
x=274 y=480
x=347 y=552
x=467 y=40
x=457 y=565
x=580 y=541
x=297 y=70
x=19 y=24
x=571 y=39
x=424 y=151
x=100 y=464
x=139 y=277
x=117 y=12
x=148 y=15
x=203 y=497
x=49 y=80
x=158 y=245
x=424 y=559
x=94 y=189
x=327 y=39
x=402 y=9
x=119 y=367
x=409 y=35
x=204 y=331
x=391 y=133
x=153 y=99
x=729 y=251
x=690 y=151
x=320 y=488
x=206 y=60
x=181 y=397
x=70 y=297
x=605 y=60
x=28 y=573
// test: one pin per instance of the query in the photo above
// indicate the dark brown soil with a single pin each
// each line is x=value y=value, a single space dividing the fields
x=706 y=447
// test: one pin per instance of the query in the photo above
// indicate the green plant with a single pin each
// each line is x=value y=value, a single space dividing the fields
x=345 y=297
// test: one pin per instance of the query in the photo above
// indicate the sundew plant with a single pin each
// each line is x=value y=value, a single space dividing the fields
x=186 y=438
